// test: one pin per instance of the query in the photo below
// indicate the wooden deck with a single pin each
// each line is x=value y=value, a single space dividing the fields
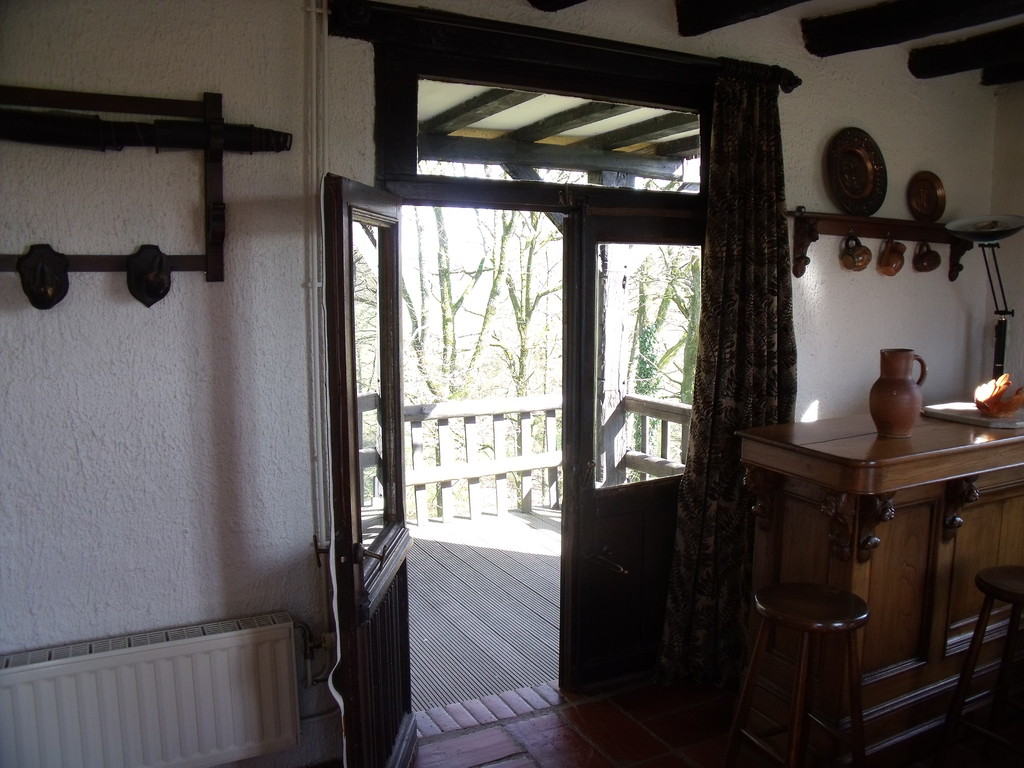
x=483 y=606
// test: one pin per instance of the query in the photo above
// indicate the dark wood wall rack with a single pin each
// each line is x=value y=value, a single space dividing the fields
x=209 y=110
x=807 y=227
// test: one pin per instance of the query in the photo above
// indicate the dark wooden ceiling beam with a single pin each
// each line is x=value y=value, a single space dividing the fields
x=1000 y=74
x=585 y=114
x=695 y=17
x=553 y=5
x=486 y=104
x=899 y=21
x=1004 y=46
x=646 y=130
x=686 y=147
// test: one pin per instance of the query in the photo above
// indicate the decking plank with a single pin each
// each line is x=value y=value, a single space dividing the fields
x=485 y=611
x=483 y=621
x=485 y=570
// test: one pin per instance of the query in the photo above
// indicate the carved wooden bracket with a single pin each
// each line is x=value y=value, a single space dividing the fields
x=959 y=493
x=885 y=507
x=884 y=511
x=853 y=520
x=841 y=510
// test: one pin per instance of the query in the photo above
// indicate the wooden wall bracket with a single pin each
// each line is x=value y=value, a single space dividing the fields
x=808 y=227
x=841 y=510
x=199 y=125
x=958 y=494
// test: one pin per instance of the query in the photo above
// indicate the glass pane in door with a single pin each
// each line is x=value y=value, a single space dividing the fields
x=365 y=239
x=648 y=307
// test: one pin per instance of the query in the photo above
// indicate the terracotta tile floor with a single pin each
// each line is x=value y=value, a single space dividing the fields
x=641 y=727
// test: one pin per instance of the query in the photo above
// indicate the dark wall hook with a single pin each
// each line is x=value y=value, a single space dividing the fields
x=202 y=127
x=44 y=276
x=149 y=274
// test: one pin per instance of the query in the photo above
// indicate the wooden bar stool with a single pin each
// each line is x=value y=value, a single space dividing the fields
x=1005 y=583
x=811 y=609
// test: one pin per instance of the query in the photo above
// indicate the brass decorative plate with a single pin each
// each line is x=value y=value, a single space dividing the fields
x=926 y=197
x=855 y=170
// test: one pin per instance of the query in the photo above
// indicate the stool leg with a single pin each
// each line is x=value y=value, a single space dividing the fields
x=964 y=683
x=856 y=703
x=798 y=715
x=746 y=695
x=1003 y=680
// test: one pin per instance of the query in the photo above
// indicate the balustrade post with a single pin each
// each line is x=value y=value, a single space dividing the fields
x=550 y=445
x=420 y=504
x=500 y=427
x=525 y=449
x=445 y=455
x=472 y=441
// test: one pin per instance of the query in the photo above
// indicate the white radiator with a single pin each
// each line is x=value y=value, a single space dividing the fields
x=192 y=696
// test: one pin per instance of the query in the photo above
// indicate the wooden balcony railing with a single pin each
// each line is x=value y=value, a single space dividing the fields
x=484 y=457
x=671 y=420
x=475 y=457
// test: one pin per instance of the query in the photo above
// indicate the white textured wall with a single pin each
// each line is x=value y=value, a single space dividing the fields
x=155 y=464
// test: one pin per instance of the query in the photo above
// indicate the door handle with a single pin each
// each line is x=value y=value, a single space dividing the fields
x=606 y=562
x=362 y=553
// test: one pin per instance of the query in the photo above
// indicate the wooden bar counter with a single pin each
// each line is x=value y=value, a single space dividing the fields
x=906 y=524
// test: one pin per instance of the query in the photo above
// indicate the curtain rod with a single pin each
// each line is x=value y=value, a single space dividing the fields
x=420 y=28
x=765 y=73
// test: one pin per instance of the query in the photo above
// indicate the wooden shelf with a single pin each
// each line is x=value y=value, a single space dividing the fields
x=807 y=227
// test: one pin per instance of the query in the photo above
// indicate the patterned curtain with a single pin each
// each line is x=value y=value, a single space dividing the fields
x=745 y=376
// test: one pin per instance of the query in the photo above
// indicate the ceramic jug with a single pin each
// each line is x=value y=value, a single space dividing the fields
x=895 y=398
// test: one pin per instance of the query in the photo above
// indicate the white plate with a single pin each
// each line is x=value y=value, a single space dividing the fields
x=986 y=229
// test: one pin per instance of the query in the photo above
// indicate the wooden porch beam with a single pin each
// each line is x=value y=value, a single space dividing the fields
x=490 y=102
x=999 y=48
x=695 y=18
x=647 y=130
x=499 y=152
x=585 y=114
x=899 y=21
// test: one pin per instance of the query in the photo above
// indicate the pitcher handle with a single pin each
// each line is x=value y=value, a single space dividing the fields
x=924 y=370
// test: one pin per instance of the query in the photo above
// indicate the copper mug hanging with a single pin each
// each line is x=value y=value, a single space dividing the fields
x=890 y=258
x=855 y=256
x=926 y=258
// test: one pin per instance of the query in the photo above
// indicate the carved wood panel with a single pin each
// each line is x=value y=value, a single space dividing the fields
x=900 y=570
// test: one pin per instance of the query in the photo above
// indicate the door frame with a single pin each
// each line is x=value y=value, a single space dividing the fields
x=410 y=44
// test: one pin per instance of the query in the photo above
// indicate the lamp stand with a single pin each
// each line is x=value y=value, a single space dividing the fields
x=999 y=355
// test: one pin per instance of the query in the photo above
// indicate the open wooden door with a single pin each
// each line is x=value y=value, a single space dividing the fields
x=618 y=530
x=370 y=542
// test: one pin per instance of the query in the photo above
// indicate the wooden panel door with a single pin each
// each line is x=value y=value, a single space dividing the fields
x=370 y=541
x=617 y=535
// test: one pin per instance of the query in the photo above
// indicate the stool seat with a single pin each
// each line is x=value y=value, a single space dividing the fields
x=812 y=610
x=811 y=607
x=1003 y=582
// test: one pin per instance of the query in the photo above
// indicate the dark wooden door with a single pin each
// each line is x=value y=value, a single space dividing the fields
x=617 y=536
x=370 y=541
